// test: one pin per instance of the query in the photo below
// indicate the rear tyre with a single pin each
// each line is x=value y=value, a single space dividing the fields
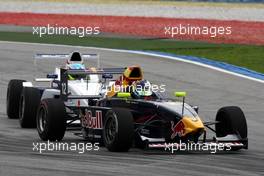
x=51 y=120
x=118 y=132
x=29 y=102
x=231 y=121
x=14 y=90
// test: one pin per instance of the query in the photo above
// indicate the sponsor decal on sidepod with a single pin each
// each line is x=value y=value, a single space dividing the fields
x=88 y=121
x=177 y=130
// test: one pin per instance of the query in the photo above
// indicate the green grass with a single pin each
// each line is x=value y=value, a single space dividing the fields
x=251 y=57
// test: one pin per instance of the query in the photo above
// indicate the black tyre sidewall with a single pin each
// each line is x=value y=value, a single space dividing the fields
x=232 y=121
x=125 y=130
x=14 y=90
x=55 y=120
x=31 y=97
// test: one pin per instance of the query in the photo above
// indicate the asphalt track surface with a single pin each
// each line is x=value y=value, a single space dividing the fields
x=207 y=88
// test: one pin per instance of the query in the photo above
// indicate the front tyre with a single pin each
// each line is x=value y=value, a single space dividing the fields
x=231 y=121
x=51 y=120
x=118 y=132
x=29 y=102
x=14 y=90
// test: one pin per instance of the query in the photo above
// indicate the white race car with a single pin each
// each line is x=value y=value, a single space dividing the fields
x=23 y=98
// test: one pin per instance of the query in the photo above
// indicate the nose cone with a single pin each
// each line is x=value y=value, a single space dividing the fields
x=192 y=125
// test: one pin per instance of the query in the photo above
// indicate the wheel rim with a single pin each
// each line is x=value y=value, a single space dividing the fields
x=110 y=130
x=42 y=119
x=21 y=108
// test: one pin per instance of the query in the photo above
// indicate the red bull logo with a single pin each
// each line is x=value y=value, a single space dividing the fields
x=177 y=130
x=88 y=121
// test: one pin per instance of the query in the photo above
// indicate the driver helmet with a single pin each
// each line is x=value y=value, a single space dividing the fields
x=75 y=66
x=141 y=89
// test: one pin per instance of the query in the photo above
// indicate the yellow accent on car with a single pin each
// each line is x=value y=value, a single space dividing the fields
x=192 y=125
x=123 y=95
x=70 y=77
x=180 y=94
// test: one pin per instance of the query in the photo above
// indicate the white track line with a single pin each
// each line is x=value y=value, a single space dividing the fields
x=147 y=54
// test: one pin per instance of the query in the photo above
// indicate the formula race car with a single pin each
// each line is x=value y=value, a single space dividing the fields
x=23 y=99
x=128 y=117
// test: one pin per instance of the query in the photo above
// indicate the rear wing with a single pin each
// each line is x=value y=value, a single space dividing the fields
x=65 y=94
x=67 y=57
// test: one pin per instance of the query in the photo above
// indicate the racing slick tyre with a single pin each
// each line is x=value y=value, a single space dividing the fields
x=118 y=132
x=28 y=106
x=231 y=121
x=14 y=90
x=51 y=119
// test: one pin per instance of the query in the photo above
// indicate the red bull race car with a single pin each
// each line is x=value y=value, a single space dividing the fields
x=133 y=115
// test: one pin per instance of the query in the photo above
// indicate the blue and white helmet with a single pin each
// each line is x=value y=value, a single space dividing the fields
x=76 y=66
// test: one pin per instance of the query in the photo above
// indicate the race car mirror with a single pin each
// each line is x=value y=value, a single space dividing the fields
x=123 y=95
x=52 y=76
x=107 y=76
x=180 y=94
